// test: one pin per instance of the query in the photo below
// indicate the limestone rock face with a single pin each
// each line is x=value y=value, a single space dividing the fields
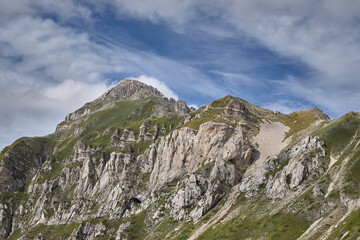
x=307 y=159
x=89 y=231
x=181 y=107
x=120 y=184
x=304 y=160
x=144 y=128
x=186 y=150
x=203 y=189
x=162 y=167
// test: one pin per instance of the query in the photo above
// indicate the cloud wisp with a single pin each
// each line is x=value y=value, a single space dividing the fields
x=49 y=69
x=323 y=34
x=285 y=55
x=156 y=83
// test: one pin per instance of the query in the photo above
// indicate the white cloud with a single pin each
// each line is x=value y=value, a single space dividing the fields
x=285 y=106
x=334 y=100
x=236 y=78
x=322 y=34
x=48 y=70
x=156 y=83
x=194 y=106
x=42 y=46
x=174 y=11
x=73 y=92
x=44 y=65
x=64 y=10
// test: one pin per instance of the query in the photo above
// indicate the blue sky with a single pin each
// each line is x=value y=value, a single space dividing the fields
x=282 y=55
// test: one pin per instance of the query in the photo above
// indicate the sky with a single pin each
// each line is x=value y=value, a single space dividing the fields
x=282 y=55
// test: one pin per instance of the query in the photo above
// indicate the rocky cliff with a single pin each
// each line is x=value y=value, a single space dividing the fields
x=133 y=164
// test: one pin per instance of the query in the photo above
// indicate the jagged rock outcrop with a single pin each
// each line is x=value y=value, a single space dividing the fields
x=149 y=168
x=217 y=145
x=22 y=161
x=144 y=128
x=296 y=165
x=307 y=159
x=202 y=190
x=186 y=150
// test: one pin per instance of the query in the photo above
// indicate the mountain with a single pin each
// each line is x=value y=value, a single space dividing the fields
x=133 y=164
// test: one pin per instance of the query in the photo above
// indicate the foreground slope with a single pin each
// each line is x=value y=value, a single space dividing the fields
x=134 y=165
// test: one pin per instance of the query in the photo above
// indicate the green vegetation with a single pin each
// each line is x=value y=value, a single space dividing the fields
x=65 y=148
x=51 y=232
x=338 y=134
x=210 y=114
x=140 y=147
x=354 y=171
x=278 y=226
x=171 y=121
x=281 y=167
x=351 y=225
x=137 y=227
x=75 y=164
x=15 y=235
x=222 y=102
x=301 y=120
x=341 y=137
x=50 y=175
x=206 y=116
x=254 y=221
x=26 y=149
x=98 y=127
x=288 y=178
x=352 y=178
x=166 y=226
x=119 y=115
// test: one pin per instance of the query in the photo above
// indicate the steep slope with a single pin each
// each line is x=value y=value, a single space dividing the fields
x=135 y=165
x=299 y=194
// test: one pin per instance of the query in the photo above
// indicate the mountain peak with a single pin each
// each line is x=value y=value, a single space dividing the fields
x=155 y=158
x=128 y=89
x=125 y=90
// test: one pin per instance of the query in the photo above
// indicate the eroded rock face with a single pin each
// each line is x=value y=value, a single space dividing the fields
x=89 y=231
x=305 y=160
x=6 y=213
x=120 y=184
x=186 y=150
x=203 y=189
x=144 y=128
x=174 y=174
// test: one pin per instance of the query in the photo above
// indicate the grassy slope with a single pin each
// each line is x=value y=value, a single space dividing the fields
x=216 y=113
x=299 y=121
x=209 y=115
x=100 y=125
x=296 y=121
x=338 y=134
x=254 y=222
x=116 y=116
x=341 y=137
x=350 y=227
x=50 y=232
